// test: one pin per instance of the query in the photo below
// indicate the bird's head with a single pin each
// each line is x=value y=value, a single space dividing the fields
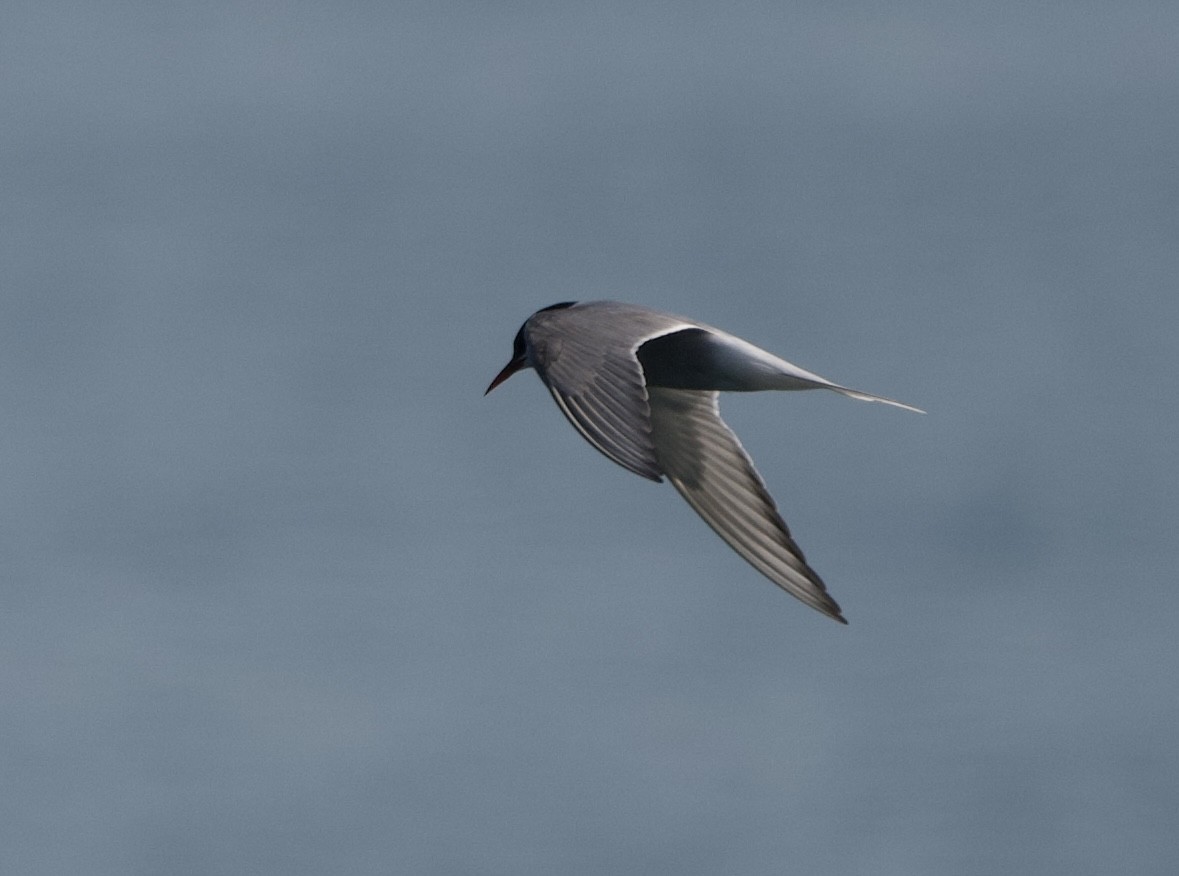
x=519 y=360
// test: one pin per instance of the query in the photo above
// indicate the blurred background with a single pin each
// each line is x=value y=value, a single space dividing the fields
x=283 y=593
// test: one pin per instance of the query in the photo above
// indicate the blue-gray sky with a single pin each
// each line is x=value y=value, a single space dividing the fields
x=283 y=593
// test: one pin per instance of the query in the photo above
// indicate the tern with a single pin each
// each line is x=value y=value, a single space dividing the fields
x=641 y=386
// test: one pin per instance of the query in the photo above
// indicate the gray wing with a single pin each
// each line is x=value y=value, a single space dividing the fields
x=704 y=460
x=585 y=354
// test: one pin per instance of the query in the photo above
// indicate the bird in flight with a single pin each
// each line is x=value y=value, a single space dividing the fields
x=641 y=386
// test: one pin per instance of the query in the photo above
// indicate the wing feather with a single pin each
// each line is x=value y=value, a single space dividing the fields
x=586 y=356
x=703 y=459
